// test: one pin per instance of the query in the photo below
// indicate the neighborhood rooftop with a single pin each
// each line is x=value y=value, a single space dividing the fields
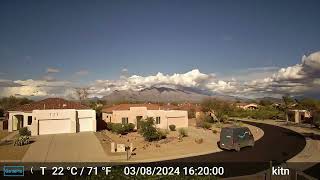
x=151 y=106
x=50 y=103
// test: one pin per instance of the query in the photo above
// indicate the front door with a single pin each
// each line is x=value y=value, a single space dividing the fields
x=139 y=118
x=20 y=123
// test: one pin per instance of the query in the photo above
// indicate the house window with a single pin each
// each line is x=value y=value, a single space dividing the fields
x=29 y=120
x=157 y=120
x=125 y=120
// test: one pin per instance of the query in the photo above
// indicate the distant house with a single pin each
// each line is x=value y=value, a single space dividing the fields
x=247 y=106
x=52 y=116
x=298 y=116
x=134 y=113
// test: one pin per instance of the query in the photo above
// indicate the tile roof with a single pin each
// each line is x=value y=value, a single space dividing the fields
x=150 y=106
x=127 y=107
x=49 y=103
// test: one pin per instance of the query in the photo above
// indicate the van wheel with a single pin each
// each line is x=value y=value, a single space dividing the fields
x=237 y=148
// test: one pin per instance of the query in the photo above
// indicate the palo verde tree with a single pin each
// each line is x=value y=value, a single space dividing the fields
x=219 y=107
x=288 y=102
x=82 y=94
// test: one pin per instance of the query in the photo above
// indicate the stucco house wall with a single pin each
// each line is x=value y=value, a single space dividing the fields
x=87 y=118
x=167 y=117
x=75 y=120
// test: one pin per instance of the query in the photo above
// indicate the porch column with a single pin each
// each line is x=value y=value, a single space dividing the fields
x=296 y=117
x=10 y=119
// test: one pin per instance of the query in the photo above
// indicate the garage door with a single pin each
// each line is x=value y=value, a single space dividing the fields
x=54 y=126
x=179 y=122
x=85 y=124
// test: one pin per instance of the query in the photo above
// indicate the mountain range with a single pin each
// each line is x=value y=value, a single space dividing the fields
x=165 y=94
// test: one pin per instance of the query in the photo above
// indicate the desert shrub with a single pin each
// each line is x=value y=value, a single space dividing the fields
x=214 y=131
x=198 y=140
x=24 y=132
x=148 y=130
x=109 y=126
x=206 y=125
x=183 y=132
x=163 y=134
x=218 y=125
x=22 y=140
x=128 y=127
x=118 y=128
x=172 y=127
x=224 y=118
x=208 y=119
x=203 y=124
x=316 y=119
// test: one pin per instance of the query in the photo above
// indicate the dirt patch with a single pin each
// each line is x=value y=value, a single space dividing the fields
x=3 y=134
x=199 y=141
x=10 y=152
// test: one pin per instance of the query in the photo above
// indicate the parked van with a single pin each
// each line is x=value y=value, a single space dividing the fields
x=235 y=137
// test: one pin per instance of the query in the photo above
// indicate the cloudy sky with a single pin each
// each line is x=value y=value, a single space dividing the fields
x=250 y=48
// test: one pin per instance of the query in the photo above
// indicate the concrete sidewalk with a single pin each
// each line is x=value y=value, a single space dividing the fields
x=77 y=147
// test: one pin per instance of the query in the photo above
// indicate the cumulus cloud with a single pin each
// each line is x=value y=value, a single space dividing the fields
x=297 y=79
x=193 y=78
x=301 y=78
x=32 y=87
x=52 y=70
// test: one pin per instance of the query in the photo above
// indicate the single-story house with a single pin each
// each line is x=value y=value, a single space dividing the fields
x=298 y=115
x=52 y=116
x=3 y=123
x=134 y=113
x=247 y=105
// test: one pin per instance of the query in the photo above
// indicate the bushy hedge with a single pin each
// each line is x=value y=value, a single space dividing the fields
x=119 y=128
x=261 y=113
x=24 y=132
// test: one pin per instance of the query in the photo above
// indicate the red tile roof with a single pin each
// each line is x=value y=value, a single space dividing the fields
x=127 y=107
x=49 y=103
x=149 y=106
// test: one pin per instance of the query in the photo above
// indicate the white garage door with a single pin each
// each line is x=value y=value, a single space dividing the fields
x=54 y=126
x=85 y=124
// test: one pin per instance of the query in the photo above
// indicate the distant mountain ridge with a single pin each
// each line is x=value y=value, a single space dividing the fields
x=163 y=94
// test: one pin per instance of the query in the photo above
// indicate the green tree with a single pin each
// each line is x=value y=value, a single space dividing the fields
x=287 y=104
x=265 y=102
x=220 y=108
x=7 y=103
x=148 y=130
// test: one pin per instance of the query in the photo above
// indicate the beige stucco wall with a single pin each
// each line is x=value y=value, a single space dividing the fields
x=12 y=120
x=74 y=119
x=106 y=117
x=61 y=114
x=176 y=117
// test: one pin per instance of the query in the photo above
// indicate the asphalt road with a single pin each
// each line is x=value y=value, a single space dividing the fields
x=277 y=145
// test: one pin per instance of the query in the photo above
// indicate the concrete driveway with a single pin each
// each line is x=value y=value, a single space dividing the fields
x=77 y=147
